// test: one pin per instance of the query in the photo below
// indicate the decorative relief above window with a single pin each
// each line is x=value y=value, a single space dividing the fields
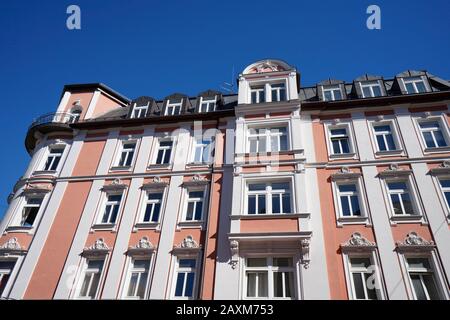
x=99 y=247
x=358 y=243
x=414 y=242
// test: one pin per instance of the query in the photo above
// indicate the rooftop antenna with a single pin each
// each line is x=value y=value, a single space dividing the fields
x=229 y=86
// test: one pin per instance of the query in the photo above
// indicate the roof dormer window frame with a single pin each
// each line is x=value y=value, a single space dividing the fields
x=370 y=84
x=413 y=81
x=208 y=101
x=139 y=109
x=332 y=89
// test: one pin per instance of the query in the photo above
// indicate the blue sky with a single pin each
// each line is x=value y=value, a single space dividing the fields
x=159 y=47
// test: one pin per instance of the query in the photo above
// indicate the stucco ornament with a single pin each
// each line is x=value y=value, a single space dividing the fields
x=157 y=179
x=305 y=247
x=267 y=66
x=99 y=245
x=356 y=239
x=11 y=244
x=143 y=243
x=234 y=248
x=188 y=243
x=413 y=239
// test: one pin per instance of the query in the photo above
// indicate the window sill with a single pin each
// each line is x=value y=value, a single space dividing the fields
x=22 y=229
x=342 y=156
x=103 y=226
x=190 y=224
x=199 y=164
x=120 y=168
x=270 y=153
x=159 y=166
x=352 y=220
x=269 y=216
x=146 y=225
x=390 y=153
x=437 y=150
x=44 y=173
x=407 y=218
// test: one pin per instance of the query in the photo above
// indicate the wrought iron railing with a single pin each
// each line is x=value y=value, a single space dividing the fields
x=55 y=117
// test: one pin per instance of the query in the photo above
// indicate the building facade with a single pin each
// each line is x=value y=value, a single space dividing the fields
x=336 y=191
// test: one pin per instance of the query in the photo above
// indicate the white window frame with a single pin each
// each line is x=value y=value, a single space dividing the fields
x=157 y=147
x=82 y=273
x=414 y=196
x=174 y=106
x=332 y=89
x=373 y=256
x=370 y=84
x=40 y=165
x=258 y=87
x=270 y=269
x=278 y=91
x=205 y=206
x=176 y=269
x=441 y=190
x=128 y=272
x=121 y=148
x=101 y=209
x=196 y=144
x=14 y=225
x=413 y=80
x=52 y=154
x=267 y=192
x=440 y=118
x=268 y=136
x=340 y=218
x=17 y=259
x=439 y=278
x=347 y=125
x=139 y=111
x=209 y=102
x=395 y=135
x=140 y=223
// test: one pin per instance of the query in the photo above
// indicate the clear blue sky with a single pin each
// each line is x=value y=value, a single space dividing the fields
x=160 y=47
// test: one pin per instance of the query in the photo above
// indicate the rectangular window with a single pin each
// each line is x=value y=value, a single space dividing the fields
x=269 y=198
x=30 y=211
x=153 y=205
x=203 y=150
x=173 y=108
x=349 y=203
x=400 y=198
x=258 y=94
x=138 y=278
x=185 y=278
x=271 y=278
x=361 y=277
x=415 y=85
x=127 y=154
x=91 y=278
x=278 y=92
x=54 y=157
x=422 y=278
x=262 y=140
x=139 y=112
x=340 y=141
x=6 y=268
x=195 y=205
x=384 y=137
x=207 y=105
x=332 y=93
x=371 y=89
x=164 y=152
x=445 y=187
x=432 y=134
x=112 y=206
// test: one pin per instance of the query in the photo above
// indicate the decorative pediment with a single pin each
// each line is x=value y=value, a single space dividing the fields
x=37 y=189
x=187 y=244
x=443 y=169
x=11 y=246
x=414 y=242
x=156 y=183
x=345 y=174
x=116 y=185
x=143 y=247
x=196 y=180
x=97 y=248
x=358 y=243
x=394 y=171
x=268 y=65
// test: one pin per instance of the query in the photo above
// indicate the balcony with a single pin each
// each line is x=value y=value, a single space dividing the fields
x=56 y=121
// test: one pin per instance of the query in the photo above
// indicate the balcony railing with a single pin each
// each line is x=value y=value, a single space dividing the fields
x=55 y=117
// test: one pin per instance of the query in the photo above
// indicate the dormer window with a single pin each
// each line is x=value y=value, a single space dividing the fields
x=75 y=115
x=278 y=92
x=371 y=89
x=415 y=85
x=139 y=111
x=207 y=104
x=173 y=107
x=258 y=94
x=332 y=93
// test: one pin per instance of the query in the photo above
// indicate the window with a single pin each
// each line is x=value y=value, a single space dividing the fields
x=202 y=153
x=195 y=205
x=445 y=187
x=164 y=152
x=138 y=278
x=384 y=137
x=91 y=278
x=371 y=89
x=75 y=115
x=415 y=85
x=54 y=157
x=30 y=211
x=332 y=93
x=153 y=207
x=258 y=94
x=6 y=268
x=271 y=278
x=185 y=278
x=422 y=279
x=127 y=154
x=432 y=134
x=139 y=111
x=361 y=278
x=340 y=142
x=267 y=139
x=111 y=211
x=207 y=105
x=349 y=203
x=278 y=92
x=400 y=198
x=269 y=198
x=173 y=108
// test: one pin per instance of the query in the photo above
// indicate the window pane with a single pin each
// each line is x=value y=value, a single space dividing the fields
x=355 y=206
x=156 y=212
x=276 y=198
x=407 y=204
x=327 y=95
x=397 y=186
x=251 y=204
x=3 y=282
x=256 y=187
x=253 y=97
x=429 y=140
x=367 y=92
x=396 y=204
x=189 y=284
x=445 y=183
x=376 y=91
x=337 y=95
x=282 y=262
x=390 y=142
x=167 y=156
x=419 y=263
x=339 y=132
x=180 y=284
x=287 y=203
x=85 y=285
x=278 y=284
x=251 y=284
x=262 y=204
x=142 y=285
x=133 y=283
x=430 y=285
x=94 y=285
x=55 y=163
x=263 y=284
x=410 y=88
x=159 y=158
x=283 y=143
x=274 y=145
x=262 y=144
x=381 y=144
x=345 y=206
x=256 y=262
x=186 y=263
x=360 y=262
x=30 y=216
x=347 y=188
x=253 y=145
x=115 y=211
x=418 y=288
x=190 y=211
x=345 y=146
x=359 y=286
x=421 y=87
x=336 y=146
x=198 y=211
x=371 y=291
x=439 y=139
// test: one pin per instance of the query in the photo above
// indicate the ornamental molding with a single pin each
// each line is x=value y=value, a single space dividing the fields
x=196 y=180
x=414 y=242
x=443 y=169
x=12 y=246
x=358 y=243
x=156 y=183
x=345 y=174
x=187 y=244
x=99 y=247
x=116 y=185
x=142 y=247
x=394 y=171
x=305 y=252
x=36 y=188
x=234 y=248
